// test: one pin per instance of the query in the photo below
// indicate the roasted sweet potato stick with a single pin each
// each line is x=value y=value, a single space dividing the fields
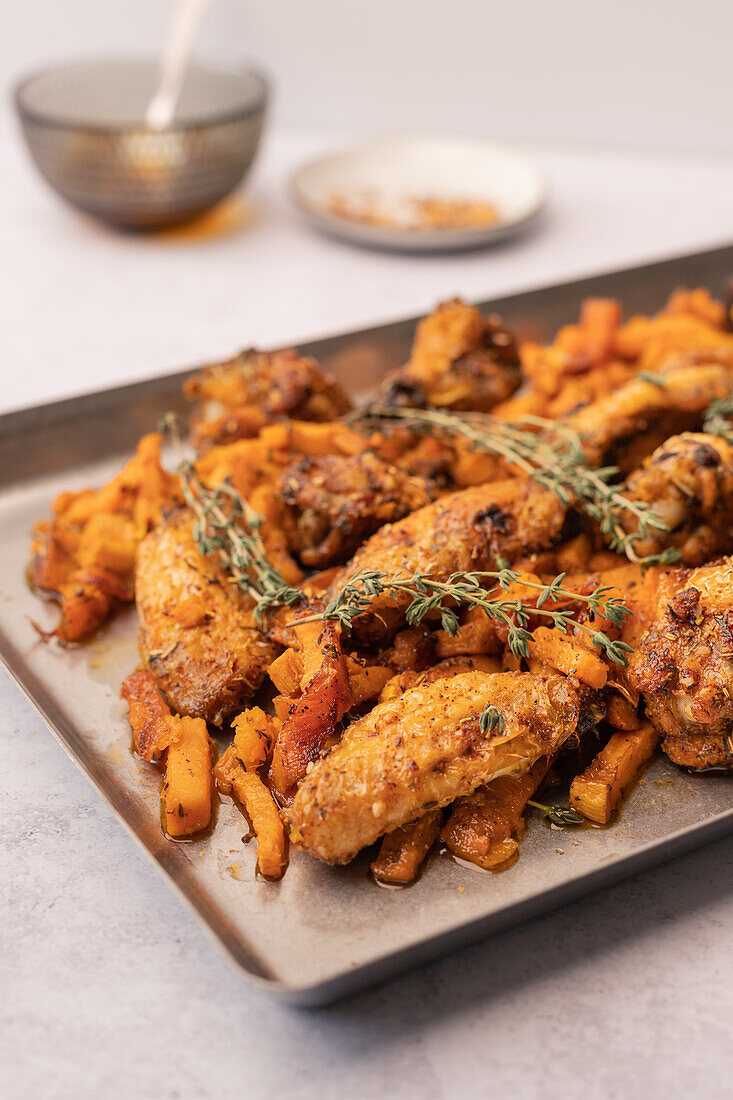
x=597 y=791
x=188 y=787
x=147 y=707
x=259 y=805
x=557 y=650
x=254 y=733
x=403 y=851
x=485 y=827
x=326 y=696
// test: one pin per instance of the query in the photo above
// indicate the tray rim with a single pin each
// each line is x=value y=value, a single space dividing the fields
x=234 y=947
x=53 y=411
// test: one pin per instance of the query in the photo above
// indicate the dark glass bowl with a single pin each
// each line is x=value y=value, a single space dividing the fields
x=84 y=125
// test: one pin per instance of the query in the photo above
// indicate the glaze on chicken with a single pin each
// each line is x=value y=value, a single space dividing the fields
x=460 y=360
x=237 y=398
x=424 y=750
x=684 y=668
x=468 y=530
x=688 y=482
x=333 y=504
x=198 y=634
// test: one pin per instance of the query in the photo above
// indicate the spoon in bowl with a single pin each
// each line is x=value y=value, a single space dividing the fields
x=175 y=64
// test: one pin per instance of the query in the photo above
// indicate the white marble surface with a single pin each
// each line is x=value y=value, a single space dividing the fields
x=108 y=987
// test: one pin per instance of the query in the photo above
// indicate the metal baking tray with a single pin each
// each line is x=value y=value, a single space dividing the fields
x=321 y=932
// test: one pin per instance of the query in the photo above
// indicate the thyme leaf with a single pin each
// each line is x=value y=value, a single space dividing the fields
x=228 y=527
x=491 y=719
x=552 y=455
x=489 y=591
x=558 y=815
x=717 y=418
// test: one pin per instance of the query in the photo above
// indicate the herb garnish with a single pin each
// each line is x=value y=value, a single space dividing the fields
x=717 y=421
x=491 y=719
x=462 y=589
x=558 y=815
x=228 y=526
x=552 y=455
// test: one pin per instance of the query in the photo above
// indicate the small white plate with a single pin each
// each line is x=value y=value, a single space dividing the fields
x=396 y=169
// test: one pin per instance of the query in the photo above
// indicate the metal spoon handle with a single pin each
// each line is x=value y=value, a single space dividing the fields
x=176 y=60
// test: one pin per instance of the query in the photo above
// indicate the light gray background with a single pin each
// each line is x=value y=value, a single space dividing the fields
x=652 y=74
x=108 y=987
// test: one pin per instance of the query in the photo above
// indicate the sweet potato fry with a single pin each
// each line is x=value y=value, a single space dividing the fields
x=308 y=438
x=574 y=555
x=147 y=708
x=476 y=634
x=286 y=672
x=326 y=696
x=366 y=681
x=403 y=850
x=622 y=714
x=252 y=794
x=485 y=827
x=188 y=786
x=254 y=735
x=597 y=791
x=567 y=655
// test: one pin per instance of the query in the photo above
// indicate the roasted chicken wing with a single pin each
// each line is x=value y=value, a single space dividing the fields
x=198 y=635
x=237 y=398
x=467 y=530
x=627 y=425
x=422 y=751
x=688 y=482
x=333 y=504
x=684 y=668
x=460 y=360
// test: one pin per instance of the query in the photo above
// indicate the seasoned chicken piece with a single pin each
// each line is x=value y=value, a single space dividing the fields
x=422 y=751
x=198 y=634
x=688 y=482
x=467 y=530
x=333 y=504
x=627 y=425
x=684 y=668
x=460 y=360
x=237 y=398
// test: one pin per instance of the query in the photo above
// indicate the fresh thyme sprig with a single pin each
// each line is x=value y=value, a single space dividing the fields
x=717 y=419
x=558 y=815
x=226 y=525
x=552 y=455
x=491 y=719
x=428 y=594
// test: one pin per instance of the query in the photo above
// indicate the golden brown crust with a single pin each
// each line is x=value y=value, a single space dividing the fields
x=467 y=530
x=684 y=668
x=422 y=751
x=460 y=360
x=237 y=398
x=332 y=504
x=209 y=669
x=688 y=483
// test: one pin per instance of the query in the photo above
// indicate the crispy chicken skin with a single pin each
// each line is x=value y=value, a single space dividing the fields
x=688 y=482
x=627 y=425
x=422 y=751
x=198 y=635
x=460 y=360
x=467 y=530
x=684 y=668
x=237 y=398
x=332 y=504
